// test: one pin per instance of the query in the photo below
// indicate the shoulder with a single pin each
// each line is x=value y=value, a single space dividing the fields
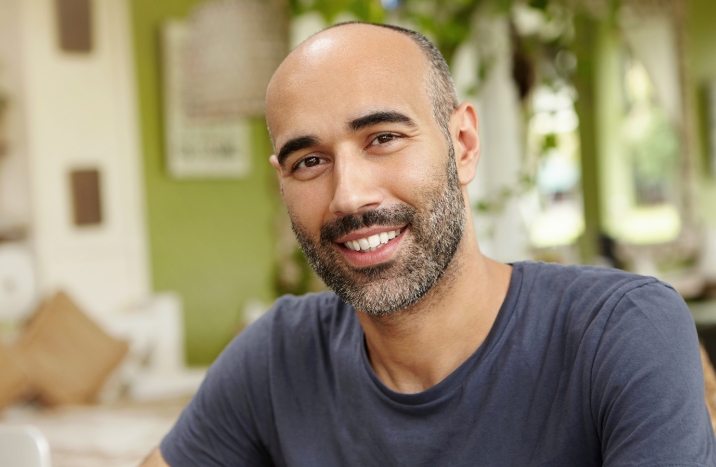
x=232 y=415
x=551 y=276
x=294 y=318
x=631 y=344
x=292 y=323
x=645 y=376
x=592 y=290
x=588 y=306
x=292 y=314
x=308 y=310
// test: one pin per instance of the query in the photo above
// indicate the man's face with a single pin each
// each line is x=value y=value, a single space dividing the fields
x=368 y=177
x=431 y=231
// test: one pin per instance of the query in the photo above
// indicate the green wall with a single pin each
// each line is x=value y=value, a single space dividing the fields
x=702 y=59
x=211 y=241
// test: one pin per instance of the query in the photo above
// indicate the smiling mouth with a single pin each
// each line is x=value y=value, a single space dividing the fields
x=372 y=243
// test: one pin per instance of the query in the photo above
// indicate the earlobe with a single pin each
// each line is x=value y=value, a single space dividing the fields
x=466 y=140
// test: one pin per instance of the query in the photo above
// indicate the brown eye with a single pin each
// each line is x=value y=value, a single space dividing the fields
x=311 y=161
x=383 y=138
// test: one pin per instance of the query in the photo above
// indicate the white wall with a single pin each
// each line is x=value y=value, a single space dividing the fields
x=502 y=235
x=14 y=177
x=79 y=111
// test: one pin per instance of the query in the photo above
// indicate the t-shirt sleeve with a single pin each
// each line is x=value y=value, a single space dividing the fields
x=647 y=397
x=226 y=421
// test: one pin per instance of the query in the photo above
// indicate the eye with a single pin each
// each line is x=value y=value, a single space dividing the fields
x=384 y=138
x=308 y=162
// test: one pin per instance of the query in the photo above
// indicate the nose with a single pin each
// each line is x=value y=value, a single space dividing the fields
x=356 y=188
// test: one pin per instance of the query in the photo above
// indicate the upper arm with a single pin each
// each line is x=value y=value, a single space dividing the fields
x=155 y=459
x=647 y=383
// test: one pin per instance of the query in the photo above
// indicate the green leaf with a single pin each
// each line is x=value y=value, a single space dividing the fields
x=539 y=4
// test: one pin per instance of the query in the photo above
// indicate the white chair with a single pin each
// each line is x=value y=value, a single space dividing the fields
x=23 y=446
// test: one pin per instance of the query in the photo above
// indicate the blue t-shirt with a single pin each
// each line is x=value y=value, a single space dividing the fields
x=582 y=367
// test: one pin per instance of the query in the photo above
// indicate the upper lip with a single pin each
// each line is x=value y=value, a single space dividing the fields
x=363 y=233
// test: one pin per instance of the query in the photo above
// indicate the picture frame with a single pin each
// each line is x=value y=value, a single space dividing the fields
x=198 y=146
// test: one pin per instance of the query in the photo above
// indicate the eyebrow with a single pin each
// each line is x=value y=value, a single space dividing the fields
x=376 y=118
x=295 y=144
x=357 y=124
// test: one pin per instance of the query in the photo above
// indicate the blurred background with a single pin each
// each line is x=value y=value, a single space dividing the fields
x=136 y=194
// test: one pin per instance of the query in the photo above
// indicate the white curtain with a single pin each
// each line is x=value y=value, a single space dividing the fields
x=652 y=40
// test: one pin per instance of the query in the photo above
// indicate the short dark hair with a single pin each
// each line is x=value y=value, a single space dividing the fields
x=439 y=85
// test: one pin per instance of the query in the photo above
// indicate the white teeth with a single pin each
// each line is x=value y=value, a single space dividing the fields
x=373 y=242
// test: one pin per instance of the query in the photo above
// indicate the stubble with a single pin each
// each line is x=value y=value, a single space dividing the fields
x=436 y=225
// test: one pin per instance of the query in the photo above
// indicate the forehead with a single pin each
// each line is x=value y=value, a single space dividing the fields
x=344 y=73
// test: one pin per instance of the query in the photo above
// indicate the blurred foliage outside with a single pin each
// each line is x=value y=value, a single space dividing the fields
x=449 y=22
x=542 y=35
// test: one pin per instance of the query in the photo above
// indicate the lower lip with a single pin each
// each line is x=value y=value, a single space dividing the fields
x=371 y=258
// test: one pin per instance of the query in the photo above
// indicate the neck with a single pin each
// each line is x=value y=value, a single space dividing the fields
x=415 y=348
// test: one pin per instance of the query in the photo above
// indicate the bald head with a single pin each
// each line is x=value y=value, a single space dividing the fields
x=353 y=47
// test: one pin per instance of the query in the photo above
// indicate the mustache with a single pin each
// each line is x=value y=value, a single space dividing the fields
x=344 y=225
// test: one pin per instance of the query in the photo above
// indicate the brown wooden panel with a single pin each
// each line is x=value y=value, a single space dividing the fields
x=86 y=196
x=74 y=25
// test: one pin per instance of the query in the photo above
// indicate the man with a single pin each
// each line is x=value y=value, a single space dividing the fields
x=429 y=353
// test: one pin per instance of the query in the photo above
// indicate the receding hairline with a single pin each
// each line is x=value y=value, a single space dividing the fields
x=405 y=33
x=437 y=80
x=439 y=85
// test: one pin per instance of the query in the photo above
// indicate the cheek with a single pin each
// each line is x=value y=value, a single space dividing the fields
x=306 y=204
x=412 y=176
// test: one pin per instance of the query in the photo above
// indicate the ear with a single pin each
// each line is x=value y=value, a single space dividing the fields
x=274 y=162
x=466 y=140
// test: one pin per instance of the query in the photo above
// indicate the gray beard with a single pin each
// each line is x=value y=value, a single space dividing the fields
x=436 y=228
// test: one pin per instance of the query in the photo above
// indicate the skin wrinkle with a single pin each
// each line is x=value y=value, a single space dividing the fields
x=437 y=225
x=436 y=82
x=357 y=124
